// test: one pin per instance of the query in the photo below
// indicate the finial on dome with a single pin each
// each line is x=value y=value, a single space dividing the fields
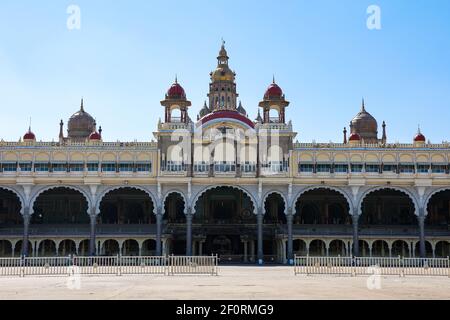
x=82 y=105
x=273 y=79
x=363 y=106
x=176 y=78
x=418 y=129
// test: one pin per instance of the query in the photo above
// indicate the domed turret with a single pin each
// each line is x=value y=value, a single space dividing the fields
x=176 y=91
x=81 y=125
x=419 y=139
x=273 y=91
x=29 y=136
x=365 y=125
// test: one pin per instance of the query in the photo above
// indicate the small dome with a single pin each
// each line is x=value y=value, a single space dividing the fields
x=176 y=91
x=29 y=135
x=273 y=91
x=419 y=138
x=95 y=136
x=354 y=137
x=81 y=124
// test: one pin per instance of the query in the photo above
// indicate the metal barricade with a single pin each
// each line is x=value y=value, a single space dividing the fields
x=181 y=265
x=386 y=266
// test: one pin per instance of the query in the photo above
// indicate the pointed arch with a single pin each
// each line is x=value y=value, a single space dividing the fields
x=269 y=193
x=139 y=188
x=330 y=188
x=18 y=195
x=70 y=187
x=176 y=191
x=399 y=189
x=205 y=190
x=431 y=195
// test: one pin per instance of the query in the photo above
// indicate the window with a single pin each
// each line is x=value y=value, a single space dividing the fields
x=357 y=167
x=77 y=167
x=373 y=168
x=92 y=166
x=324 y=168
x=174 y=166
x=9 y=167
x=248 y=167
x=109 y=167
x=143 y=167
x=41 y=167
x=341 y=168
x=126 y=167
x=438 y=168
x=407 y=168
x=423 y=168
x=224 y=166
x=201 y=166
x=59 y=167
x=306 y=167
x=392 y=168
x=25 y=166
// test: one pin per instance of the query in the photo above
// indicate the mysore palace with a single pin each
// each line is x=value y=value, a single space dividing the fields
x=224 y=184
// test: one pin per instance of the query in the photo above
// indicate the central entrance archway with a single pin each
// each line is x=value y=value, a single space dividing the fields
x=225 y=224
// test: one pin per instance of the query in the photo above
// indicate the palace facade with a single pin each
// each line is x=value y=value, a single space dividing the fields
x=224 y=184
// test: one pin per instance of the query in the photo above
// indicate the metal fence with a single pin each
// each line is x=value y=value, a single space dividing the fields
x=116 y=265
x=355 y=266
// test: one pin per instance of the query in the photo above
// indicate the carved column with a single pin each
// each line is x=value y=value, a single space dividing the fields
x=355 y=219
x=421 y=219
x=189 y=217
x=290 y=241
x=92 y=240
x=159 y=218
x=260 y=218
x=26 y=226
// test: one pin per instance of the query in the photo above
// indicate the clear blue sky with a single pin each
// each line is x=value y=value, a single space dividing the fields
x=127 y=53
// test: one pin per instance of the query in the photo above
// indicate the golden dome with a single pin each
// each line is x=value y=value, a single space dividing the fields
x=222 y=74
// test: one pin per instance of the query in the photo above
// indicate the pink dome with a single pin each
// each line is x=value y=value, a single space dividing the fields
x=176 y=92
x=354 y=137
x=273 y=91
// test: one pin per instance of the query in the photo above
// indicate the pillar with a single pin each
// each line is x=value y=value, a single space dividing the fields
x=421 y=219
x=26 y=231
x=245 y=251
x=290 y=241
x=260 y=218
x=355 y=219
x=189 y=233
x=159 y=218
x=92 y=240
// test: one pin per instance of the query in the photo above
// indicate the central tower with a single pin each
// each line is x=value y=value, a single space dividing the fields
x=222 y=89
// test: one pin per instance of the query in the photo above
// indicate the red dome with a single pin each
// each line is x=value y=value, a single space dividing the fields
x=95 y=136
x=274 y=91
x=176 y=91
x=29 y=136
x=354 y=137
x=419 y=138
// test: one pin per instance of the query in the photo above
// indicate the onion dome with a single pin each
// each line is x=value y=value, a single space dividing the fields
x=273 y=91
x=81 y=125
x=29 y=136
x=365 y=125
x=176 y=91
x=419 y=137
x=354 y=137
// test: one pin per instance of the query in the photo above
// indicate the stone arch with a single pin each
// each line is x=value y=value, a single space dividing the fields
x=431 y=195
x=269 y=193
x=18 y=195
x=402 y=190
x=205 y=190
x=48 y=188
x=172 y=191
x=340 y=191
x=139 y=188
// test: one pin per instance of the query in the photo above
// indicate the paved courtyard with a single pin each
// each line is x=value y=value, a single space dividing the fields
x=233 y=283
